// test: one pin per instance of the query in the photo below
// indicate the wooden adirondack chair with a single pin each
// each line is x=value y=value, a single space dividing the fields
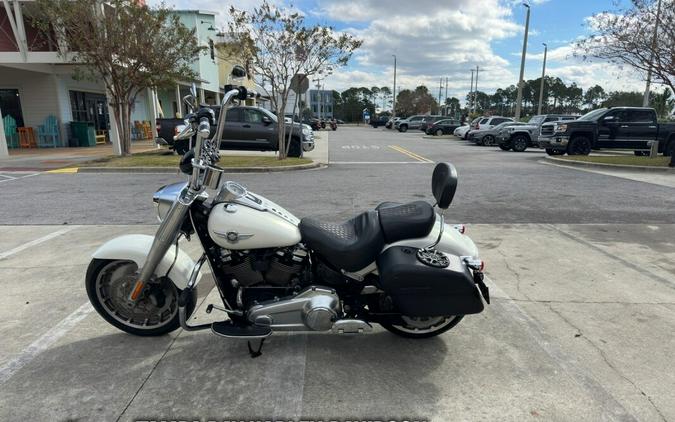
x=48 y=133
x=10 y=132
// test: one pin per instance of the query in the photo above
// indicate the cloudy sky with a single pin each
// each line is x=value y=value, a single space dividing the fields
x=446 y=38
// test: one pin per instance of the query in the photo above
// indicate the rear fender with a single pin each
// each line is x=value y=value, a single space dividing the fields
x=452 y=241
x=135 y=247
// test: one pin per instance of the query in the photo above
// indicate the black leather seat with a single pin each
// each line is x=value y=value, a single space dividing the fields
x=406 y=221
x=349 y=246
x=356 y=243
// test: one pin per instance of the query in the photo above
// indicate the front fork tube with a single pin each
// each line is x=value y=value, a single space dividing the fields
x=164 y=238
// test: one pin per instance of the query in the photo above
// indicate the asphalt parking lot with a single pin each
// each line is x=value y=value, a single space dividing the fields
x=581 y=267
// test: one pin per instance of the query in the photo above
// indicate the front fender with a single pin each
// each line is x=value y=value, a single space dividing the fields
x=135 y=247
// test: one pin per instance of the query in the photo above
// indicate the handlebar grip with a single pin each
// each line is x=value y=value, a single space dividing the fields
x=204 y=124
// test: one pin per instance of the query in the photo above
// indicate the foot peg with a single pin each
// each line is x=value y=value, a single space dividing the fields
x=230 y=330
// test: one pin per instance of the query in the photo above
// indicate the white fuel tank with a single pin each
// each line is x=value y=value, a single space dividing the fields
x=236 y=226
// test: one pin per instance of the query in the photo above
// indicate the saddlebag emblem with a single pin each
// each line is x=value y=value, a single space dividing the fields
x=234 y=237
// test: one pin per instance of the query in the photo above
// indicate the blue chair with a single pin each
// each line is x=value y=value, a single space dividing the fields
x=10 y=131
x=48 y=133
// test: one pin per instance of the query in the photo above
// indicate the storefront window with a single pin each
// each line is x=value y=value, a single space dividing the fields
x=10 y=104
x=90 y=107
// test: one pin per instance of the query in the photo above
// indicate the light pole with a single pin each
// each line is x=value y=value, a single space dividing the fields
x=318 y=94
x=393 y=107
x=519 y=98
x=470 y=107
x=645 y=99
x=543 y=72
x=475 y=92
x=446 y=93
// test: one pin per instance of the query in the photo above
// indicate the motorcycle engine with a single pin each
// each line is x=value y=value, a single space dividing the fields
x=281 y=267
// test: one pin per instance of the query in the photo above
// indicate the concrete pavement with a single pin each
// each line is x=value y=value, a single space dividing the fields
x=579 y=329
x=580 y=266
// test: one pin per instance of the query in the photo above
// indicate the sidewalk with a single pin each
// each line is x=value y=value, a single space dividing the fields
x=42 y=159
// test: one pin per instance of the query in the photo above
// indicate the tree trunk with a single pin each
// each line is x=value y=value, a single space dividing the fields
x=127 y=132
x=118 y=109
x=290 y=135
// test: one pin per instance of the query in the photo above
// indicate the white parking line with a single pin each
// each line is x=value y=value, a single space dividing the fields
x=35 y=242
x=43 y=343
x=380 y=162
x=8 y=177
x=18 y=178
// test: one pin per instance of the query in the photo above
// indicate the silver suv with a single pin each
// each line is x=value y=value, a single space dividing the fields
x=519 y=138
x=412 y=122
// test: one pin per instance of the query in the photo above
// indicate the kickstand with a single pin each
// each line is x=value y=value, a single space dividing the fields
x=256 y=353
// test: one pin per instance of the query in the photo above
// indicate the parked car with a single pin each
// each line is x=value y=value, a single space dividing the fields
x=391 y=122
x=487 y=137
x=473 y=126
x=461 y=131
x=442 y=127
x=428 y=121
x=379 y=121
x=166 y=130
x=305 y=126
x=253 y=129
x=615 y=127
x=490 y=122
x=412 y=122
x=520 y=137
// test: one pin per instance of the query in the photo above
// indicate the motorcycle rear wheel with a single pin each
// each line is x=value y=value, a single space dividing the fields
x=108 y=284
x=423 y=327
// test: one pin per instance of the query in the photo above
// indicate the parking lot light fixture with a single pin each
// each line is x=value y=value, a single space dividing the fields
x=519 y=98
x=393 y=107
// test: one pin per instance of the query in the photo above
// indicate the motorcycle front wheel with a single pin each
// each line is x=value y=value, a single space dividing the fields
x=155 y=313
x=423 y=327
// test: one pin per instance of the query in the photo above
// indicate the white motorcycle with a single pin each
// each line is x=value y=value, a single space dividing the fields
x=400 y=265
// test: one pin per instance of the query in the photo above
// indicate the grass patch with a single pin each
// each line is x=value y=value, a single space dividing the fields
x=628 y=160
x=165 y=159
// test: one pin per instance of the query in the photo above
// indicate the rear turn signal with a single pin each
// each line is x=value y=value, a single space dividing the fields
x=474 y=264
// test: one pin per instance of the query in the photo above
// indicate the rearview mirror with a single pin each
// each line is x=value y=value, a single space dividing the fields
x=266 y=120
x=193 y=90
x=189 y=101
x=609 y=119
x=238 y=72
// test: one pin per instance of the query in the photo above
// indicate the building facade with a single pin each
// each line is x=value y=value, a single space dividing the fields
x=321 y=103
x=37 y=81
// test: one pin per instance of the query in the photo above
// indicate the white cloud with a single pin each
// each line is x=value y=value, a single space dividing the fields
x=456 y=37
x=434 y=39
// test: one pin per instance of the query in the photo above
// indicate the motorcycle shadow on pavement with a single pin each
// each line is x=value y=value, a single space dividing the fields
x=297 y=373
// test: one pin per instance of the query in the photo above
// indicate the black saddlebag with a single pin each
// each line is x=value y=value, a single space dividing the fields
x=418 y=289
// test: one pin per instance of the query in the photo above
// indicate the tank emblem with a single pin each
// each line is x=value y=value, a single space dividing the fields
x=234 y=237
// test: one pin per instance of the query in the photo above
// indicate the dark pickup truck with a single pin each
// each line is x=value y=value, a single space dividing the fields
x=246 y=128
x=615 y=127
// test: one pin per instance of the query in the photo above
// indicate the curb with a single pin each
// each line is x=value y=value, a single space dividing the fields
x=605 y=166
x=439 y=137
x=173 y=170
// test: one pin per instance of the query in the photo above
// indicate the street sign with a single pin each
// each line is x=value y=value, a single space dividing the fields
x=300 y=83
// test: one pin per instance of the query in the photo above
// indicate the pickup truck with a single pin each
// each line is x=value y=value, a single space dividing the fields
x=519 y=137
x=615 y=127
x=246 y=128
x=379 y=121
